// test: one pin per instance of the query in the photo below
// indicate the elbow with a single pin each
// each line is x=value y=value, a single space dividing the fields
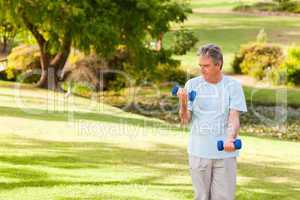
x=237 y=126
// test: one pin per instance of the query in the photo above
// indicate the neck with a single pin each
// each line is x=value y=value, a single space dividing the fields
x=216 y=78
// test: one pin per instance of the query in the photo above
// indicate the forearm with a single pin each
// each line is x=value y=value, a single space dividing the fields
x=233 y=130
x=184 y=113
x=233 y=125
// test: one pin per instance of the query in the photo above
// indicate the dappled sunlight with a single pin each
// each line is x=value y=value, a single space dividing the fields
x=126 y=142
x=155 y=163
x=90 y=163
x=103 y=152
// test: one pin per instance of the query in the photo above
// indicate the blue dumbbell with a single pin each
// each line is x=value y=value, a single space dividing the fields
x=192 y=94
x=237 y=144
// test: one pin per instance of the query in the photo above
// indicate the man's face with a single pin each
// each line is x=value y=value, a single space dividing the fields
x=208 y=69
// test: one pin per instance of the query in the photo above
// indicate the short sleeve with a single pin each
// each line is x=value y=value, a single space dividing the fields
x=237 y=99
x=188 y=88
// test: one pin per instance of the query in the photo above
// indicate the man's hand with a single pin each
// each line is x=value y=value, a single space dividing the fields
x=182 y=95
x=228 y=145
x=233 y=129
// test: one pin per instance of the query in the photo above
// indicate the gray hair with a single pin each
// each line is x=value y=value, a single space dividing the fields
x=213 y=51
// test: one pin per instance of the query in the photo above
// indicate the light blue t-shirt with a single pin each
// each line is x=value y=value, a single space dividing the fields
x=210 y=112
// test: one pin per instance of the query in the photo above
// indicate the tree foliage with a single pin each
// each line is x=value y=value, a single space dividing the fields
x=98 y=25
x=8 y=32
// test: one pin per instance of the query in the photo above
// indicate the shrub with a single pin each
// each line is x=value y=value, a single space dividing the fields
x=255 y=58
x=259 y=6
x=22 y=62
x=289 y=71
x=170 y=74
x=287 y=6
x=275 y=6
x=84 y=70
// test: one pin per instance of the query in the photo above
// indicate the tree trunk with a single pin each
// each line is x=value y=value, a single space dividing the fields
x=51 y=67
x=50 y=73
x=45 y=65
x=159 y=43
x=49 y=78
x=4 y=47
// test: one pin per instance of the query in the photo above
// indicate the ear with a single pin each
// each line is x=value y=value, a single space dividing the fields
x=219 y=65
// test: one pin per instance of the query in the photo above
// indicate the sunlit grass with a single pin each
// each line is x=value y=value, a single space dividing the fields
x=97 y=156
x=230 y=30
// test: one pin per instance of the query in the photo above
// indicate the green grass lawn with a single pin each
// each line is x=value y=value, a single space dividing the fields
x=100 y=152
x=272 y=96
x=214 y=22
x=76 y=149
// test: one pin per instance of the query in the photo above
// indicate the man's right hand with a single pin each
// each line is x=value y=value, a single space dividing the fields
x=183 y=111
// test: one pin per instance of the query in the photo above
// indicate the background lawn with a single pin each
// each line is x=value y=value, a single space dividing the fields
x=215 y=22
x=105 y=153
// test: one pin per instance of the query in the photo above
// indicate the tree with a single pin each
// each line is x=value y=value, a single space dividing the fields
x=100 y=26
x=7 y=33
x=56 y=25
x=169 y=12
x=149 y=20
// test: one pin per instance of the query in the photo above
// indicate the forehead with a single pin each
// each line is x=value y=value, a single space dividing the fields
x=205 y=60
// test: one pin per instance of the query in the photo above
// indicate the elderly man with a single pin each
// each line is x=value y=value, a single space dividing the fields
x=214 y=116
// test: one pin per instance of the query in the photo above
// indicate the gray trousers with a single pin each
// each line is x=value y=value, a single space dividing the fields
x=213 y=179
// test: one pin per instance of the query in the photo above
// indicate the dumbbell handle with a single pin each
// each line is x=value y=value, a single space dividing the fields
x=237 y=144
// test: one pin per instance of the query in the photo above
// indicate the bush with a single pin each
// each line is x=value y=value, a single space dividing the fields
x=164 y=69
x=118 y=72
x=259 y=6
x=256 y=58
x=275 y=6
x=22 y=62
x=84 y=70
x=167 y=73
x=98 y=72
x=184 y=41
x=289 y=71
x=287 y=6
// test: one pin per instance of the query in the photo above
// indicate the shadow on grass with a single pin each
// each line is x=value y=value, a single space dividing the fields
x=24 y=174
x=104 y=196
x=90 y=155
x=162 y=160
x=268 y=180
x=40 y=114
